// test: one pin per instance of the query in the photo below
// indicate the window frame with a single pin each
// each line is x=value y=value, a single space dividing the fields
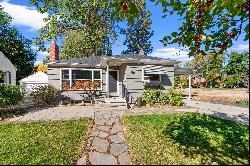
x=143 y=76
x=82 y=69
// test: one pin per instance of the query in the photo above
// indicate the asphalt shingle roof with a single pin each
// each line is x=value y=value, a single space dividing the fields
x=94 y=60
x=85 y=60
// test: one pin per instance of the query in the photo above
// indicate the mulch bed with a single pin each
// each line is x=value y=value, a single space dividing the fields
x=217 y=100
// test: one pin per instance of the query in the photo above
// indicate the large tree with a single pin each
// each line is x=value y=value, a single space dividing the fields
x=208 y=67
x=207 y=25
x=15 y=46
x=138 y=34
x=82 y=27
x=237 y=69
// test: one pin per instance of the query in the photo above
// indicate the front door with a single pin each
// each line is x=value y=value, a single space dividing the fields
x=113 y=83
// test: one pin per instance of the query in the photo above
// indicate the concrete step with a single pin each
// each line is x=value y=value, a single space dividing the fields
x=114 y=102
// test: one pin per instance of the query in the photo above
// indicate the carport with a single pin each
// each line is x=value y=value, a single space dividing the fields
x=185 y=71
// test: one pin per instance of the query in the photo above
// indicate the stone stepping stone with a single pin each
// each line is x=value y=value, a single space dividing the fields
x=117 y=149
x=100 y=145
x=116 y=128
x=118 y=138
x=82 y=161
x=97 y=158
x=103 y=134
x=124 y=159
x=104 y=128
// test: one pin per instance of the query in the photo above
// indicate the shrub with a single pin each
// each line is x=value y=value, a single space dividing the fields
x=44 y=94
x=177 y=80
x=243 y=102
x=151 y=96
x=10 y=95
x=175 y=97
x=172 y=97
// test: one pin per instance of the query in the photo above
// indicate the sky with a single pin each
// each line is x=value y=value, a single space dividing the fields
x=28 y=21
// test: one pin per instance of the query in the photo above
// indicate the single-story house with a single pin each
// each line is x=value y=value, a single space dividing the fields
x=123 y=76
x=8 y=70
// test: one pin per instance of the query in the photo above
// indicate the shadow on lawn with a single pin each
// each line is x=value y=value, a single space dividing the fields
x=216 y=140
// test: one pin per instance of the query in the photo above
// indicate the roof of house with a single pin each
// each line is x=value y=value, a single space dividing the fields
x=95 y=60
x=182 y=71
x=84 y=60
x=5 y=62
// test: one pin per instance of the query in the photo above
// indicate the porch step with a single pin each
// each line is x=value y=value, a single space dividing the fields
x=114 y=102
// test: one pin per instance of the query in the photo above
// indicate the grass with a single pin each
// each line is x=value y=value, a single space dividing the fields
x=50 y=142
x=186 y=138
x=242 y=102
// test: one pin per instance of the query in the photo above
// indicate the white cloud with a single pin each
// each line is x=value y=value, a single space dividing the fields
x=241 y=47
x=24 y=15
x=171 y=53
x=44 y=54
x=37 y=63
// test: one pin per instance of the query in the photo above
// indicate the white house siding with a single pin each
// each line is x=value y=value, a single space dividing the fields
x=135 y=86
x=7 y=66
x=54 y=77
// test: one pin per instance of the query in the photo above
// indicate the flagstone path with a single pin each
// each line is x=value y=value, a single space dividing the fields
x=106 y=144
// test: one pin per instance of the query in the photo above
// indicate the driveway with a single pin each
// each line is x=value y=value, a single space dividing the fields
x=229 y=112
x=56 y=113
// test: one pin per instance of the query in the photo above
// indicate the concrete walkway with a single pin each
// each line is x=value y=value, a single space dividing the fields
x=106 y=144
x=56 y=113
x=228 y=112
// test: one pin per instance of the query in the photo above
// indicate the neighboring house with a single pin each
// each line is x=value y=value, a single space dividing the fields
x=33 y=81
x=8 y=70
x=123 y=76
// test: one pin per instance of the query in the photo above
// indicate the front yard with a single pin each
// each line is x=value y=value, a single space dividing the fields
x=50 y=142
x=186 y=138
x=221 y=96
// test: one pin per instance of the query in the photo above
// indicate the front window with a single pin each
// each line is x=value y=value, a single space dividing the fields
x=151 y=77
x=73 y=79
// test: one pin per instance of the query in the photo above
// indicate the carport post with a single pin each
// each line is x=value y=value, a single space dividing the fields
x=189 y=88
x=107 y=80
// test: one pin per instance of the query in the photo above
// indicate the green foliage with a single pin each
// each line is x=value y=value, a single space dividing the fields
x=231 y=81
x=181 y=81
x=177 y=80
x=44 y=94
x=151 y=96
x=208 y=67
x=16 y=47
x=43 y=143
x=10 y=95
x=237 y=69
x=242 y=102
x=186 y=139
x=213 y=65
x=172 y=97
x=175 y=97
x=83 y=25
x=138 y=35
x=207 y=25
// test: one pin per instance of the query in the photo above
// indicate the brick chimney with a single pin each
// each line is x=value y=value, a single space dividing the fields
x=54 y=52
x=141 y=52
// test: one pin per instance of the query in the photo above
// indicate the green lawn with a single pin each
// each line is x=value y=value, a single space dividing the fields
x=54 y=142
x=186 y=138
